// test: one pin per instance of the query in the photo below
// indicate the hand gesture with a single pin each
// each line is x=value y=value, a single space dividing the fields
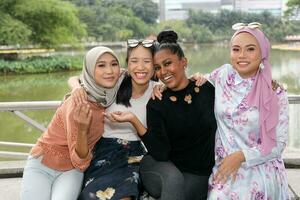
x=199 y=78
x=157 y=91
x=79 y=95
x=119 y=116
x=229 y=166
x=83 y=117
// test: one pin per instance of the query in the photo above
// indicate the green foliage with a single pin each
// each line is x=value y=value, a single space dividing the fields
x=146 y=10
x=184 y=32
x=48 y=22
x=110 y=22
x=13 y=31
x=219 y=24
x=293 y=8
x=40 y=65
x=201 y=34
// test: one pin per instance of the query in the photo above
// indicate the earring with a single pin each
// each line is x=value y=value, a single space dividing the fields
x=261 y=66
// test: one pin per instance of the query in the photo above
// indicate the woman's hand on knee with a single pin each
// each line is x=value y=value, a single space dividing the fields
x=229 y=166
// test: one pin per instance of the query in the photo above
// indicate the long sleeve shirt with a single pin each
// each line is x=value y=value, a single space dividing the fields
x=57 y=144
x=238 y=130
x=183 y=131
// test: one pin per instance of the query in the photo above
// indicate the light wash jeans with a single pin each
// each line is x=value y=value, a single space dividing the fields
x=43 y=183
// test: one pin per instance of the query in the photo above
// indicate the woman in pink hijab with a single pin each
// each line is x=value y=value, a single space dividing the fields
x=252 y=120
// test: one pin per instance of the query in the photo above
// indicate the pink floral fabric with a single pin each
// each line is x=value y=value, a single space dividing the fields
x=261 y=177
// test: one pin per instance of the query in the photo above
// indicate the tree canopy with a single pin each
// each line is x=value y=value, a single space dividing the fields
x=55 y=22
x=293 y=8
x=117 y=19
x=48 y=22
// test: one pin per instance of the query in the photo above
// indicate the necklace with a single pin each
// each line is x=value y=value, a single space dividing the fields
x=188 y=97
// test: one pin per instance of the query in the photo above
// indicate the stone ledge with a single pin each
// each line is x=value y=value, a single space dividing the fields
x=10 y=169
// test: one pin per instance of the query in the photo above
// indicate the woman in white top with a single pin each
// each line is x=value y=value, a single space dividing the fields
x=113 y=173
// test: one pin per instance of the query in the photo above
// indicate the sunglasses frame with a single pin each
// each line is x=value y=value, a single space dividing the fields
x=134 y=43
x=252 y=25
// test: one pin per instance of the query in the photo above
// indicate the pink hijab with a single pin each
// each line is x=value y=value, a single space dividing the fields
x=262 y=95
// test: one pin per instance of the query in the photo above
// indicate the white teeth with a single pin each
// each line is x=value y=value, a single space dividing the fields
x=141 y=74
x=167 y=77
x=243 y=63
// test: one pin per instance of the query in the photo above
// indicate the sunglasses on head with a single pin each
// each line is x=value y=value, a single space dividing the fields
x=252 y=25
x=134 y=43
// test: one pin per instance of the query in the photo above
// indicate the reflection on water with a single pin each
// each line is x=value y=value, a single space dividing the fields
x=285 y=69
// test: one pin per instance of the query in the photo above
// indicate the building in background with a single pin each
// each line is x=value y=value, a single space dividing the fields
x=178 y=9
x=276 y=7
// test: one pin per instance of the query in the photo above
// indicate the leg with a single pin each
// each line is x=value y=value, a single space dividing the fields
x=195 y=186
x=162 y=179
x=37 y=180
x=67 y=186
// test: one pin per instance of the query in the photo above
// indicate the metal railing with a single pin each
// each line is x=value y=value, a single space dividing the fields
x=16 y=108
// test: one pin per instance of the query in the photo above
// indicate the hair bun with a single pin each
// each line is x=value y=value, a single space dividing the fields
x=167 y=36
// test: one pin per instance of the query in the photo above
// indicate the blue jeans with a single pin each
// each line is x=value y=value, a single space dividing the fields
x=43 y=183
x=164 y=181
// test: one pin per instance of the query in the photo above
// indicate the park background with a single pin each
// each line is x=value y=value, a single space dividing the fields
x=42 y=43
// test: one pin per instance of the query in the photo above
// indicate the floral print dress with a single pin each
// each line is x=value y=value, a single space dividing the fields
x=259 y=177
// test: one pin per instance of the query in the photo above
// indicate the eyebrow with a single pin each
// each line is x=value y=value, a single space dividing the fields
x=101 y=61
x=140 y=58
x=166 y=60
x=248 y=45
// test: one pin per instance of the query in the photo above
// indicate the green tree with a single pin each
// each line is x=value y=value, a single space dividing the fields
x=111 y=22
x=13 y=31
x=201 y=34
x=51 y=22
x=179 y=26
x=144 y=9
x=219 y=24
x=293 y=8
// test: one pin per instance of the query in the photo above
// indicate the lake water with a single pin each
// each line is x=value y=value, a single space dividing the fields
x=39 y=87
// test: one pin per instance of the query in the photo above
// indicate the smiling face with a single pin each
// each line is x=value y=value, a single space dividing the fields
x=170 y=70
x=140 y=65
x=107 y=70
x=245 y=54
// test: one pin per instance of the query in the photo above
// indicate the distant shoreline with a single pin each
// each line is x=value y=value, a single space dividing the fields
x=287 y=47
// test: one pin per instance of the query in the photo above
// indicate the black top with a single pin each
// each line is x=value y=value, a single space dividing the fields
x=183 y=131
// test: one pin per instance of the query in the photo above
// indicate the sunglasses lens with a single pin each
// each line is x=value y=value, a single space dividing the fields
x=254 y=25
x=132 y=43
x=238 y=26
x=147 y=43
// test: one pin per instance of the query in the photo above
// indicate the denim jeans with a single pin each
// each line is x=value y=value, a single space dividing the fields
x=164 y=181
x=43 y=183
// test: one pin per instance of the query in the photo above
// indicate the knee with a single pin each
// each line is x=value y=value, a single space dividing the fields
x=167 y=173
x=172 y=178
